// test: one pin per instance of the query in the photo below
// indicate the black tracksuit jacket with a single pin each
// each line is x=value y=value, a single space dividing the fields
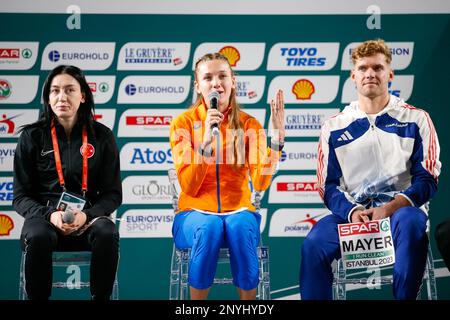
x=36 y=184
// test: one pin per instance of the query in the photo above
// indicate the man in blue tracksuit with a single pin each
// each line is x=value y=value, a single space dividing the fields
x=378 y=158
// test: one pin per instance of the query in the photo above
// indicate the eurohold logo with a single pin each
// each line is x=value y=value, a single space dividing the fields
x=85 y=55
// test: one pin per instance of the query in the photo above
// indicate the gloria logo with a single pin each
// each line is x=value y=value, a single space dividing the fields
x=5 y=89
x=232 y=54
x=146 y=189
x=303 y=89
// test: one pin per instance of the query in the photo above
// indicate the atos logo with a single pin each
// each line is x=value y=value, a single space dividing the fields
x=54 y=56
x=149 y=156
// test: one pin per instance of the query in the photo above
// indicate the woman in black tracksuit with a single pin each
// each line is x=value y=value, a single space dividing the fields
x=89 y=167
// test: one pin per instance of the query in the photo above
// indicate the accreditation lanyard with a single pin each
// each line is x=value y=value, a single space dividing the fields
x=57 y=154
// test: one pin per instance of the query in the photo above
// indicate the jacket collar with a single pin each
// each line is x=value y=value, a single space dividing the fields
x=394 y=102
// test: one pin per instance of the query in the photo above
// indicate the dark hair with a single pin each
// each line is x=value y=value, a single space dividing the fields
x=86 y=110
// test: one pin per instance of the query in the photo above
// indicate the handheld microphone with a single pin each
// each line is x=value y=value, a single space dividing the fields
x=214 y=104
x=68 y=217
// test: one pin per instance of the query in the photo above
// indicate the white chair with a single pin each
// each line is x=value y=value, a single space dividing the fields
x=179 y=268
x=70 y=260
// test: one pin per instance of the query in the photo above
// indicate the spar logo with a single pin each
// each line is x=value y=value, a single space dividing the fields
x=101 y=87
x=6 y=53
x=6 y=225
x=297 y=186
x=5 y=89
x=232 y=54
x=361 y=228
x=303 y=89
x=148 y=120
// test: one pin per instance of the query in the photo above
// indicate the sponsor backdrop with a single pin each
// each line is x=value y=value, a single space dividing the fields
x=139 y=67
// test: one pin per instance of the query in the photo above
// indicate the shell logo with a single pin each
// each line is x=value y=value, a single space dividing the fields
x=6 y=225
x=303 y=89
x=232 y=54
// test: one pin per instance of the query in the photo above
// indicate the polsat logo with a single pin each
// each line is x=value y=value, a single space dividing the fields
x=89 y=149
x=232 y=54
x=297 y=186
x=303 y=89
x=6 y=125
x=6 y=225
x=5 y=89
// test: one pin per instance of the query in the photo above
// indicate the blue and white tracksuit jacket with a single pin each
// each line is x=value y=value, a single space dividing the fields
x=365 y=162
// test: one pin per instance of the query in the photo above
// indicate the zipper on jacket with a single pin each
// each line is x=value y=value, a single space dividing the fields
x=218 y=149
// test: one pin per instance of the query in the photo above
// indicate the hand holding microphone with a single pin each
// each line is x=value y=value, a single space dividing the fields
x=68 y=217
x=214 y=104
x=213 y=118
x=68 y=221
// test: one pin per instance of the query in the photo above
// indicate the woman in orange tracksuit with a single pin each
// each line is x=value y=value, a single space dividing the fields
x=214 y=206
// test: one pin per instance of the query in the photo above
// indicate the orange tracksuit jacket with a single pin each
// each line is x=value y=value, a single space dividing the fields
x=222 y=187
